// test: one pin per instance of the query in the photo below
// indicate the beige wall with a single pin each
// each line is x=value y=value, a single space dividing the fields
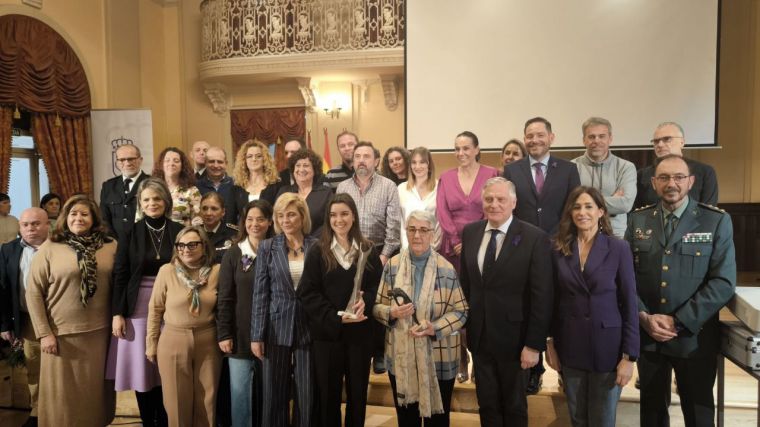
x=145 y=54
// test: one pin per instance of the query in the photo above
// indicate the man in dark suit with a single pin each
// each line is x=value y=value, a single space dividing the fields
x=685 y=273
x=118 y=195
x=543 y=183
x=506 y=276
x=199 y=158
x=669 y=139
x=15 y=261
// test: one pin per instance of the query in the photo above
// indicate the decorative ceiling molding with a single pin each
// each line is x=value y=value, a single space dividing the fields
x=307 y=91
x=33 y=3
x=390 y=91
x=300 y=64
x=219 y=97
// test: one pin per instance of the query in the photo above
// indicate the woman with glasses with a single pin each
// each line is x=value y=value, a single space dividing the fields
x=337 y=290
x=422 y=305
x=255 y=172
x=146 y=248
x=184 y=299
x=68 y=295
x=280 y=335
x=233 y=315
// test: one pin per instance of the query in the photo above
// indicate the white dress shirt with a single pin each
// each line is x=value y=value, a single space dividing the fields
x=487 y=237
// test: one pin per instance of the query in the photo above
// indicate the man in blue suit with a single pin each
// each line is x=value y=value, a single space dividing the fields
x=543 y=183
x=15 y=261
x=683 y=254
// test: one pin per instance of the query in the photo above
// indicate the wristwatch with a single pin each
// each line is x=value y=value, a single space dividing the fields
x=627 y=357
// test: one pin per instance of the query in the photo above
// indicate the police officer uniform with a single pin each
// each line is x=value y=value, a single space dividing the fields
x=221 y=239
x=690 y=274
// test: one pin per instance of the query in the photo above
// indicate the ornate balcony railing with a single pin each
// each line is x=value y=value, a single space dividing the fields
x=250 y=28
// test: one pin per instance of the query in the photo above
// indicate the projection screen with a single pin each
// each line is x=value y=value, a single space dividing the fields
x=489 y=65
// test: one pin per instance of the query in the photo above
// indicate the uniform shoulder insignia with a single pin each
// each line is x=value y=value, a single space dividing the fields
x=233 y=226
x=645 y=207
x=711 y=207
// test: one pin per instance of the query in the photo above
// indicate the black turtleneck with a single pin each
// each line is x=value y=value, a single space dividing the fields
x=150 y=263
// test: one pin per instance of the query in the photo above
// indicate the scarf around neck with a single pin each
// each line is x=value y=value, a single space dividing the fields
x=413 y=357
x=193 y=285
x=85 y=248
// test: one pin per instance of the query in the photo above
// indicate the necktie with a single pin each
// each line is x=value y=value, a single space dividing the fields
x=490 y=258
x=539 y=177
x=670 y=222
x=126 y=184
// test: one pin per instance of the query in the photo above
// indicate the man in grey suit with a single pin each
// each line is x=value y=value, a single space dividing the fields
x=683 y=255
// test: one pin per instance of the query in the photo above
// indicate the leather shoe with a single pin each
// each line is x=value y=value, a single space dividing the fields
x=378 y=365
x=534 y=383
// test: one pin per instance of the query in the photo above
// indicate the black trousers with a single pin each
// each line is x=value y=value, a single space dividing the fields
x=695 y=377
x=334 y=361
x=151 y=407
x=409 y=416
x=500 y=388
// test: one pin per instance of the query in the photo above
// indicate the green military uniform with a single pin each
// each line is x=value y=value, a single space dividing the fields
x=690 y=275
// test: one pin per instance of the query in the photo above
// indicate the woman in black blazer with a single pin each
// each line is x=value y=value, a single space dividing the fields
x=306 y=168
x=233 y=313
x=337 y=290
x=147 y=246
x=280 y=334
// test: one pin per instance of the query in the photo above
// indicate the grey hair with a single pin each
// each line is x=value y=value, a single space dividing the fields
x=422 y=215
x=596 y=121
x=500 y=180
x=159 y=187
x=680 y=129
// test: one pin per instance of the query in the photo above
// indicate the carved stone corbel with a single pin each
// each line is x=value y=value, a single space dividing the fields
x=217 y=94
x=307 y=92
x=390 y=91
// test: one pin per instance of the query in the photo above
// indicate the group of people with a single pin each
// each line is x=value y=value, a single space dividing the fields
x=218 y=299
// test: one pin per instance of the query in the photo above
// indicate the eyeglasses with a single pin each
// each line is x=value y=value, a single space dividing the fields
x=189 y=245
x=413 y=230
x=127 y=159
x=664 y=139
x=678 y=179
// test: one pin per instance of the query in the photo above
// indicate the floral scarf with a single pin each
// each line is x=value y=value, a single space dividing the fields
x=193 y=285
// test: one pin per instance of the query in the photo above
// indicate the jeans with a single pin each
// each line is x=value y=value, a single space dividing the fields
x=241 y=391
x=591 y=397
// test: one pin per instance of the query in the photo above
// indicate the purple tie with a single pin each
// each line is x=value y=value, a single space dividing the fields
x=539 y=177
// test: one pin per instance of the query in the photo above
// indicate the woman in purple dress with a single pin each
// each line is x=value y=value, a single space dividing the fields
x=458 y=204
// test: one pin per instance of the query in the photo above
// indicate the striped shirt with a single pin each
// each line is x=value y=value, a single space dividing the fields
x=379 y=211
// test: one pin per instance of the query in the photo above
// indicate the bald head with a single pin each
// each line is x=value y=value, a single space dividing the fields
x=199 y=153
x=34 y=226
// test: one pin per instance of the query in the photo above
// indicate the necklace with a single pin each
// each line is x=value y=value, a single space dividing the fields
x=295 y=251
x=156 y=238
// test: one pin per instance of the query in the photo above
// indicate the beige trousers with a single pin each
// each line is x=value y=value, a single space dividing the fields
x=189 y=361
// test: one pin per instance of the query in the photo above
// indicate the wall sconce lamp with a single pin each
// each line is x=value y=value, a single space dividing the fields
x=333 y=112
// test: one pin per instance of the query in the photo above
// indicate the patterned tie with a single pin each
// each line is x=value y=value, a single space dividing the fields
x=126 y=184
x=539 y=177
x=490 y=258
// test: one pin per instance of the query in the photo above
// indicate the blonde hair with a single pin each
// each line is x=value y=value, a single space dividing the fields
x=285 y=201
x=240 y=172
x=208 y=248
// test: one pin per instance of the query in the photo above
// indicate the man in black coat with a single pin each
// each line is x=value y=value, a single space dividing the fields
x=506 y=276
x=15 y=262
x=118 y=195
x=669 y=139
x=543 y=183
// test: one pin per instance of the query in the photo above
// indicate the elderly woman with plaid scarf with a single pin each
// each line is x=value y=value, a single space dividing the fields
x=422 y=305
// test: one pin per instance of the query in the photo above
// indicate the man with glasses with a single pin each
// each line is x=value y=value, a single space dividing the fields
x=117 y=195
x=685 y=273
x=669 y=139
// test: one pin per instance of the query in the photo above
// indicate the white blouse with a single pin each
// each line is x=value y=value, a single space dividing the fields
x=411 y=201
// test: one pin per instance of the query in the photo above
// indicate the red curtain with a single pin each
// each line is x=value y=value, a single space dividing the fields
x=65 y=153
x=270 y=125
x=6 y=136
x=40 y=73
